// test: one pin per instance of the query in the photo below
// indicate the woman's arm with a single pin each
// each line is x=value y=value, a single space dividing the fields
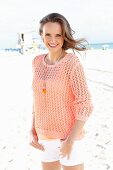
x=76 y=131
x=67 y=144
x=33 y=135
x=81 y=106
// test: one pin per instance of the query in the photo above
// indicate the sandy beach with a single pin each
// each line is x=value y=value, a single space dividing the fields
x=16 y=109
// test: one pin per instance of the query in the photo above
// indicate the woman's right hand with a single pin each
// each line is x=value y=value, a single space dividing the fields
x=34 y=140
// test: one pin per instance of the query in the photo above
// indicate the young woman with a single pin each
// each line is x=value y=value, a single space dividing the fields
x=61 y=99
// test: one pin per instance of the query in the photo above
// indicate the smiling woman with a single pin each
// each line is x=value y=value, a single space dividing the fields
x=61 y=99
x=90 y=23
x=63 y=29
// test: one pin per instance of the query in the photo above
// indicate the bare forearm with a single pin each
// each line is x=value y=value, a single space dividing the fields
x=76 y=130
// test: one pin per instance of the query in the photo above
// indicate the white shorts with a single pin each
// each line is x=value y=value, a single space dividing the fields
x=52 y=152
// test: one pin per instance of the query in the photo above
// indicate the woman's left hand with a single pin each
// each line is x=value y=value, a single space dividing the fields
x=66 y=148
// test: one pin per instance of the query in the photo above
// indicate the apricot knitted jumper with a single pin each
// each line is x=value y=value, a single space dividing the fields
x=67 y=97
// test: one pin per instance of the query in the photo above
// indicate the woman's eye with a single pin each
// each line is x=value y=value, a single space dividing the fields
x=47 y=35
x=58 y=35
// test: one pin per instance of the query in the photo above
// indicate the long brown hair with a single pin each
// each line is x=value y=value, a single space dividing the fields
x=69 y=41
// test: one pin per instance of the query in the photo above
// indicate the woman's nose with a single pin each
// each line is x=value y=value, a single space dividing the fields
x=53 y=39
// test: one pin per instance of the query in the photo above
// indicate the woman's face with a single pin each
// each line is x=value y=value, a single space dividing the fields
x=52 y=36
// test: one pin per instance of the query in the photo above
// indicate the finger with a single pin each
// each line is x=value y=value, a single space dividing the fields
x=34 y=145
x=62 y=155
x=37 y=146
x=68 y=156
x=41 y=147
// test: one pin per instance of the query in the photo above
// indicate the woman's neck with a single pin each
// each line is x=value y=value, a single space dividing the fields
x=53 y=58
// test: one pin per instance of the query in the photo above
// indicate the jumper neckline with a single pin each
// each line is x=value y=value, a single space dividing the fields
x=57 y=63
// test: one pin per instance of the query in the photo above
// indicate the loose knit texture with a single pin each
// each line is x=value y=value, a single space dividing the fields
x=67 y=97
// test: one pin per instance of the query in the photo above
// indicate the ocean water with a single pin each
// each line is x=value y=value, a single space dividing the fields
x=103 y=46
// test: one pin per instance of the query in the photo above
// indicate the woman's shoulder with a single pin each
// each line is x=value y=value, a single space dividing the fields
x=73 y=58
x=38 y=58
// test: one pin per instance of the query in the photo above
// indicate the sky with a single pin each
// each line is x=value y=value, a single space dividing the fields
x=90 y=19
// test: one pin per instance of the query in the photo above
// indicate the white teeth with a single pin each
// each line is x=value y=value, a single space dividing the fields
x=52 y=45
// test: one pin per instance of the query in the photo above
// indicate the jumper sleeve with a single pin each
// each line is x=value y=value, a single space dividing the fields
x=82 y=106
